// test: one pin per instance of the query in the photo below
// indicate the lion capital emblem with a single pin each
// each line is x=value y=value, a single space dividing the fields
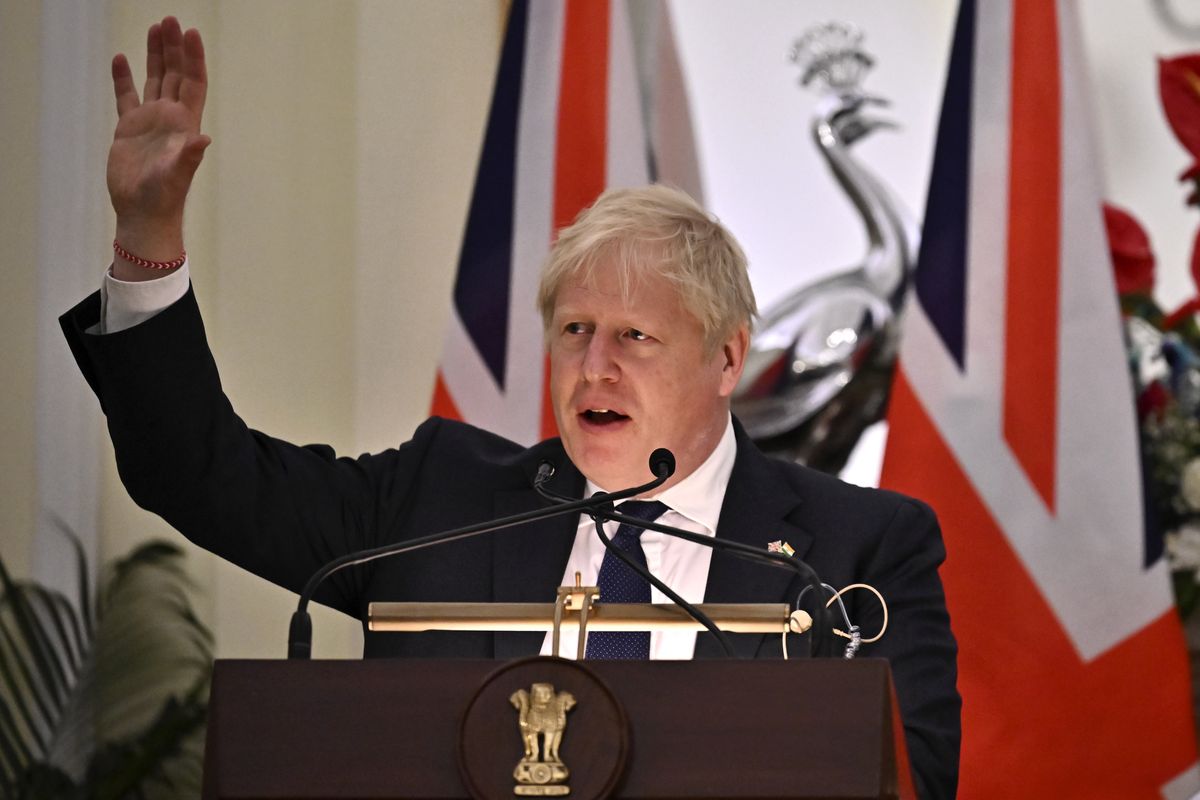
x=542 y=720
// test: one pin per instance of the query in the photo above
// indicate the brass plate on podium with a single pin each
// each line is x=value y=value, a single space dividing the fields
x=543 y=727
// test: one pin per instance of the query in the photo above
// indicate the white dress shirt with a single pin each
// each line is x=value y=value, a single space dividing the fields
x=694 y=502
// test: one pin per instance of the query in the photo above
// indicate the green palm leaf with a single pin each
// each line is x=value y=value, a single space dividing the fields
x=105 y=698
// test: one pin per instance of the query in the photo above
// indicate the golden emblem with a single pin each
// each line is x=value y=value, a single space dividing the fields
x=542 y=720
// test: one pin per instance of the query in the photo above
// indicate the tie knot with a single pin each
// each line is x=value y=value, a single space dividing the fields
x=645 y=510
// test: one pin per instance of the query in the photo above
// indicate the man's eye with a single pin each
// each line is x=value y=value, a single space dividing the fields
x=637 y=335
x=575 y=327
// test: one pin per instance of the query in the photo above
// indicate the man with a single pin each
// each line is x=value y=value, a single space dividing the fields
x=647 y=311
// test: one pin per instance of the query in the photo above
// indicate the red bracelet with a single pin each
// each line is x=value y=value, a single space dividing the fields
x=141 y=262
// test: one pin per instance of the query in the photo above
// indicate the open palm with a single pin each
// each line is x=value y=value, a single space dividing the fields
x=157 y=144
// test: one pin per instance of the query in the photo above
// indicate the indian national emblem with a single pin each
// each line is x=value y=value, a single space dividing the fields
x=542 y=720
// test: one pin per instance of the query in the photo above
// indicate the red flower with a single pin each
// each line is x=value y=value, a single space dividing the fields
x=1179 y=89
x=1133 y=260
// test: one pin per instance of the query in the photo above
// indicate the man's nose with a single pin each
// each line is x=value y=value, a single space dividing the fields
x=600 y=360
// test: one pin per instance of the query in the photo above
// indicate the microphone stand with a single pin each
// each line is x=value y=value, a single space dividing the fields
x=662 y=464
x=300 y=628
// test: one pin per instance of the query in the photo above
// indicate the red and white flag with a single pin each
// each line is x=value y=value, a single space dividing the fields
x=1012 y=415
x=567 y=122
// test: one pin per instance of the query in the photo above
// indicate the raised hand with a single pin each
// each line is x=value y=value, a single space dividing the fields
x=157 y=145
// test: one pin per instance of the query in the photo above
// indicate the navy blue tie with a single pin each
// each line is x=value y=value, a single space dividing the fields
x=619 y=584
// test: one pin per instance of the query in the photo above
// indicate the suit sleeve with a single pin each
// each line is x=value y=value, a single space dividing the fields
x=919 y=644
x=274 y=508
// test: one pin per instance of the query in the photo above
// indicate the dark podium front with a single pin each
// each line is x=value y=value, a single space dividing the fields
x=391 y=728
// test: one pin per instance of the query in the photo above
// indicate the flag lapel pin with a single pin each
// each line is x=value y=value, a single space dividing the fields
x=780 y=546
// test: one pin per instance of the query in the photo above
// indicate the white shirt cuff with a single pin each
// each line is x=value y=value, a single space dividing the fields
x=124 y=304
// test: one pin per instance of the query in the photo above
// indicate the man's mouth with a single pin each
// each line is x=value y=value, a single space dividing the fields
x=602 y=416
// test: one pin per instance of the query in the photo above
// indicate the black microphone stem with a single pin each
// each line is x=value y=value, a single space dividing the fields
x=693 y=612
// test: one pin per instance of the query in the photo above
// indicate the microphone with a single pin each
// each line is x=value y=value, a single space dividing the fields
x=300 y=628
x=662 y=464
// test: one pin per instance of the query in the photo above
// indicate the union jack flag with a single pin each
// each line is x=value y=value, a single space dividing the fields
x=566 y=122
x=1012 y=415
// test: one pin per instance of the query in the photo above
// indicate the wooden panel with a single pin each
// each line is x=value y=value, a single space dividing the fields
x=381 y=729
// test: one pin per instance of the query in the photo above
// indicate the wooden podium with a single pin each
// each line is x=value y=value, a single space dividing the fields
x=396 y=728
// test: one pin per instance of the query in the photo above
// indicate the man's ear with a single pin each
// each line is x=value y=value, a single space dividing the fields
x=733 y=356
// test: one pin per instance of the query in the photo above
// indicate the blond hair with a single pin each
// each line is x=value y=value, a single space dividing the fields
x=662 y=231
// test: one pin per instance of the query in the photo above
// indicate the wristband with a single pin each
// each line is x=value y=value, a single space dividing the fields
x=141 y=262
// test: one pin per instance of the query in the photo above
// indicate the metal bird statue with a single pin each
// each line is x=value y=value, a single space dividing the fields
x=820 y=363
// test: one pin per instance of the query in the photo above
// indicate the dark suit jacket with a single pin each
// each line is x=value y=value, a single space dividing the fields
x=281 y=511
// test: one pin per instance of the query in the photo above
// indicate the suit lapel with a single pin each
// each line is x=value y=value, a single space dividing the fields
x=759 y=508
x=528 y=560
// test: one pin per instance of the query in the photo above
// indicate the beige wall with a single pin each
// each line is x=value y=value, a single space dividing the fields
x=19 y=32
x=326 y=215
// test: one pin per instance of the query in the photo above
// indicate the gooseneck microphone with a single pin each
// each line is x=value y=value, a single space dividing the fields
x=662 y=463
x=300 y=629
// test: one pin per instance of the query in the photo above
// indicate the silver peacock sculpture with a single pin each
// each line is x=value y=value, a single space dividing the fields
x=820 y=363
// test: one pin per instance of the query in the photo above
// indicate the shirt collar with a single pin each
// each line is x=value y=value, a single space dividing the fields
x=699 y=496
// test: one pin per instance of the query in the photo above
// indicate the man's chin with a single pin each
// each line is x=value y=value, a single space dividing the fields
x=612 y=462
x=613 y=475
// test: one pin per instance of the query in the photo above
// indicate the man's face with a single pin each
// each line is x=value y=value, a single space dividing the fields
x=628 y=377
